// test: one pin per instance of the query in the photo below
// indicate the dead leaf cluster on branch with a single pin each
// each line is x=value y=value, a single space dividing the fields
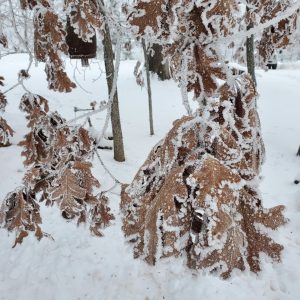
x=278 y=35
x=185 y=28
x=195 y=194
x=50 y=43
x=58 y=168
x=20 y=213
x=189 y=29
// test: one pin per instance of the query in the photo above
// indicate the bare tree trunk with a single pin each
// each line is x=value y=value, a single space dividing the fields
x=25 y=14
x=149 y=88
x=250 y=54
x=115 y=114
x=155 y=63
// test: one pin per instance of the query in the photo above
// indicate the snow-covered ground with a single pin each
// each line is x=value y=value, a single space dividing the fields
x=78 y=266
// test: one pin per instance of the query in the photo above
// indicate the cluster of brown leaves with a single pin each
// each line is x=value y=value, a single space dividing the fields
x=31 y=4
x=222 y=16
x=20 y=213
x=277 y=36
x=160 y=18
x=49 y=43
x=3 y=101
x=58 y=171
x=188 y=27
x=5 y=129
x=194 y=195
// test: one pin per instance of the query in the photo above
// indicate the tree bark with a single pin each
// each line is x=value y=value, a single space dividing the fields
x=250 y=54
x=119 y=154
x=148 y=88
x=155 y=63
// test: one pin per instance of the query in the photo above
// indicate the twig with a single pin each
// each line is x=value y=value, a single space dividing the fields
x=105 y=168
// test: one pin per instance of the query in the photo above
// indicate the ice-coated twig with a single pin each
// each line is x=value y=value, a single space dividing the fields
x=105 y=168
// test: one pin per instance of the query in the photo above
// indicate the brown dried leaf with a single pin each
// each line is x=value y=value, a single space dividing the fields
x=20 y=213
x=30 y=4
x=222 y=15
x=5 y=132
x=32 y=104
x=69 y=194
x=191 y=195
x=49 y=42
x=3 y=101
x=84 y=139
x=84 y=17
x=258 y=240
x=3 y=40
x=100 y=216
x=87 y=180
x=206 y=70
x=58 y=79
x=151 y=16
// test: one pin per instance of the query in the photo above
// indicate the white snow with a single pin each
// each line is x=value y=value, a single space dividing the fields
x=78 y=266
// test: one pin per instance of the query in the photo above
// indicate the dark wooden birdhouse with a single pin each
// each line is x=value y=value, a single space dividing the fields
x=79 y=49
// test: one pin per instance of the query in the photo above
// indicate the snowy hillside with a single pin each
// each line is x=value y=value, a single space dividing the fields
x=75 y=265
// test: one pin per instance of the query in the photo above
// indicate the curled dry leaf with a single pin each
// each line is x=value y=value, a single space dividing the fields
x=3 y=40
x=23 y=74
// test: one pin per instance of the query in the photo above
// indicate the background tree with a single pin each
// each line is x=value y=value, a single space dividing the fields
x=157 y=64
x=119 y=153
x=147 y=67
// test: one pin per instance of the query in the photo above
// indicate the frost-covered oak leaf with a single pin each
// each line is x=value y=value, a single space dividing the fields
x=206 y=72
x=84 y=17
x=69 y=194
x=5 y=132
x=194 y=195
x=49 y=43
x=3 y=101
x=20 y=213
